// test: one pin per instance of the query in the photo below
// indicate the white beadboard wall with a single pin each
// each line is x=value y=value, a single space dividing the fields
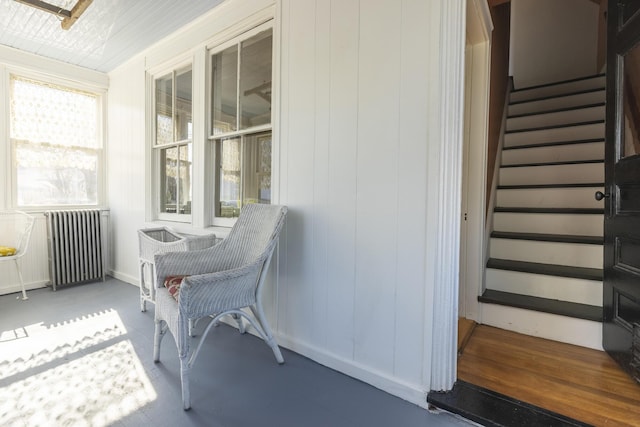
x=357 y=145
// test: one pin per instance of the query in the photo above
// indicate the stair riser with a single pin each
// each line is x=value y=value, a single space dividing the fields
x=557 y=103
x=558 y=89
x=553 y=287
x=582 y=197
x=555 y=174
x=571 y=254
x=582 y=225
x=584 y=333
x=556 y=153
x=561 y=134
x=555 y=119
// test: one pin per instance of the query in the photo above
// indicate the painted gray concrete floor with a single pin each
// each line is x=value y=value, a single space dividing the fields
x=82 y=356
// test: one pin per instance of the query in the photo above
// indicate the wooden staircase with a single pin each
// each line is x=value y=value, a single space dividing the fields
x=544 y=273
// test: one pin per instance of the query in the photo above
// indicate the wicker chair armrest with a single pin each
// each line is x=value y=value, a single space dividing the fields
x=210 y=293
x=192 y=263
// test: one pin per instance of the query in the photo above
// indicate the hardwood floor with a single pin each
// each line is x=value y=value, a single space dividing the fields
x=577 y=382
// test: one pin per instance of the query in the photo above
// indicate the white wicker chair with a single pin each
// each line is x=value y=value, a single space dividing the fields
x=219 y=281
x=15 y=232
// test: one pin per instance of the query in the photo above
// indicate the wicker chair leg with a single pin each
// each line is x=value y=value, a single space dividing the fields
x=240 y=322
x=158 y=334
x=184 y=379
x=271 y=342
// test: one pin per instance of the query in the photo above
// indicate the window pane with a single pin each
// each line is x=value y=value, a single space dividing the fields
x=55 y=135
x=255 y=80
x=257 y=169
x=164 y=110
x=44 y=113
x=176 y=179
x=50 y=175
x=224 y=84
x=169 y=164
x=183 y=105
x=229 y=155
x=184 y=174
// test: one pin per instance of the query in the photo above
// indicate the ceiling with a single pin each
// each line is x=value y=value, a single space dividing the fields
x=107 y=34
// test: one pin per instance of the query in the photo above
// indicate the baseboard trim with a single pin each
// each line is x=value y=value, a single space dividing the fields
x=15 y=288
x=410 y=392
x=125 y=277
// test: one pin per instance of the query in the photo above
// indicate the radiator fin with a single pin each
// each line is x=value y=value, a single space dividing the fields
x=75 y=240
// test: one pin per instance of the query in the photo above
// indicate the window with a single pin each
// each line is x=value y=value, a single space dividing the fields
x=55 y=134
x=240 y=117
x=173 y=140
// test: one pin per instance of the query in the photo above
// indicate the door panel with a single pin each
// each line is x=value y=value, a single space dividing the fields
x=622 y=180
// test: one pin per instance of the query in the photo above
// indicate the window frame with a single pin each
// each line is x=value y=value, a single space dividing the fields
x=202 y=209
x=213 y=139
x=11 y=192
x=156 y=149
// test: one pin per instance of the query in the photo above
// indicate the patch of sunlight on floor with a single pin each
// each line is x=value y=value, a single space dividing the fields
x=81 y=372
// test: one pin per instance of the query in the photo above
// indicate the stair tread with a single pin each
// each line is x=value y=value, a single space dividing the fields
x=526 y=186
x=557 y=110
x=560 y=82
x=576 y=211
x=561 y=95
x=560 y=238
x=554 y=143
x=568 y=125
x=546 y=269
x=546 y=305
x=566 y=162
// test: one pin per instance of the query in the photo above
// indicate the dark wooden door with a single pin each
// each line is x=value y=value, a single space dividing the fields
x=622 y=183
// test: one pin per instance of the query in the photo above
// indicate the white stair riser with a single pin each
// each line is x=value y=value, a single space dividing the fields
x=571 y=254
x=554 y=153
x=561 y=134
x=557 y=118
x=584 y=333
x=558 y=89
x=558 y=102
x=544 y=223
x=539 y=285
x=581 y=197
x=581 y=173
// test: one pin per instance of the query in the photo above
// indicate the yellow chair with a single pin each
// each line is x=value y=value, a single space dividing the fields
x=15 y=233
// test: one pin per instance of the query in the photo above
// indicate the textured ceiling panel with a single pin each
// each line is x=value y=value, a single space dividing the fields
x=106 y=35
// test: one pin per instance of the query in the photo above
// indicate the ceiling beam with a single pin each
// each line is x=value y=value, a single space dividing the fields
x=69 y=17
x=77 y=10
x=47 y=7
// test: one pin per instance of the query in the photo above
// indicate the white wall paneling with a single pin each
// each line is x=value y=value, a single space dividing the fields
x=342 y=179
x=126 y=166
x=377 y=191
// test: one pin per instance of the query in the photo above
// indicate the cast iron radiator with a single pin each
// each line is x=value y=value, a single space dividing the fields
x=75 y=239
